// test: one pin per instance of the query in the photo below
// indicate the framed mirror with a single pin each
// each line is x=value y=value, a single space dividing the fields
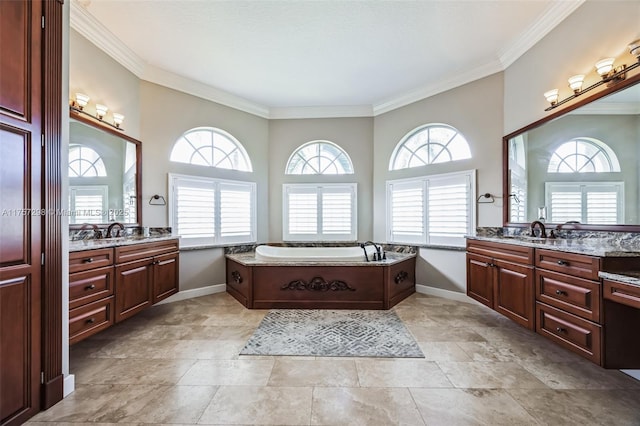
x=105 y=174
x=580 y=164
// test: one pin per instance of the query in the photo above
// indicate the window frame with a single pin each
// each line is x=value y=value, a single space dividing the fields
x=174 y=179
x=319 y=189
x=297 y=152
x=426 y=237
x=585 y=188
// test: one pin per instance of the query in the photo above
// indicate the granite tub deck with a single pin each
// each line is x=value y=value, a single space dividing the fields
x=325 y=284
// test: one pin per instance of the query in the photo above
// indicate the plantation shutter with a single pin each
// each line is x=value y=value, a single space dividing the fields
x=450 y=209
x=314 y=212
x=407 y=206
x=88 y=204
x=206 y=211
x=594 y=202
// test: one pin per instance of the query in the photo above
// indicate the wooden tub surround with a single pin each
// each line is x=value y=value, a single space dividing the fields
x=261 y=284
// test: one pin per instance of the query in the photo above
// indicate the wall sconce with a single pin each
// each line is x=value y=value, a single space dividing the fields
x=81 y=102
x=605 y=69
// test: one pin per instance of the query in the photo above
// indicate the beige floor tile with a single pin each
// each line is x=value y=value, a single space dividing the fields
x=81 y=404
x=489 y=375
x=443 y=351
x=175 y=404
x=470 y=407
x=250 y=405
x=140 y=349
x=229 y=372
x=401 y=373
x=131 y=400
x=581 y=375
x=364 y=406
x=437 y=333
x=204 y=349
x=139 y=371
x=581 y=407
x=333 y=372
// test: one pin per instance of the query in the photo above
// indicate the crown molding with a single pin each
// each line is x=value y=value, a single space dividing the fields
x=177 y=82
x=555 y=13
x=93 y=30
x=278 y=113
x=457 y=80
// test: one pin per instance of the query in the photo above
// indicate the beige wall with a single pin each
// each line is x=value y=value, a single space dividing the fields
x=353 y=135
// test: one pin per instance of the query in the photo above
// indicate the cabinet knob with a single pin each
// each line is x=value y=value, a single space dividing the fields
x=236 y=277
x=562 y=262
x=90 y=287
x=400 y=277
x=88 y=260
x=561 y=330
x=91 y=320
x=561 y=292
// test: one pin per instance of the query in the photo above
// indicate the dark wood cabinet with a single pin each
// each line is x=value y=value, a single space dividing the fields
x=495 y=280
x=111 y=284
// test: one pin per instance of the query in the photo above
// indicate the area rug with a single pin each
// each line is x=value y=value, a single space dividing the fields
x=332 y=333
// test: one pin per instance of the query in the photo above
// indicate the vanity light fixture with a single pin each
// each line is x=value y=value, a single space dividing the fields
x=552 y=96
x=101 y=111
x=575 y=82
x=605 y=68
x=80 y=102
x=117 y=119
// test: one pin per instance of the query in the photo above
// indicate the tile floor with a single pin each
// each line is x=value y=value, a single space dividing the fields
x=178 y=363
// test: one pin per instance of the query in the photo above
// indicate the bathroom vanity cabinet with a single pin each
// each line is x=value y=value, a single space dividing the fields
x=556 y=293
x=501 y=277
x=110 y=284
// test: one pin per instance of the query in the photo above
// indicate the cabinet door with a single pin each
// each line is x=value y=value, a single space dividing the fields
x=21 y=308
x=133 y=288
x=165 y=276
x=514 y=296
x=480 y=279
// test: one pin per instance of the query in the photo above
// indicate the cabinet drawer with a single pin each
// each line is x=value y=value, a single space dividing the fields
x=503 y=251
x=88 y=286
x=89 y=319
x=623 y=293
x=90 y=259
x=575 y=295
x=576 y=334
x=130 y=253
x=578 y=265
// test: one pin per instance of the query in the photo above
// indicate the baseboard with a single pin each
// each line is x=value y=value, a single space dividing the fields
x=195 y=292
x=633 y=373
x=68 y=385
x=447 y=294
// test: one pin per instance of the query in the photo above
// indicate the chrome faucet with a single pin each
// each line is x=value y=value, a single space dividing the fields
x=378 y=255
x=543 y=231
x=113 y=225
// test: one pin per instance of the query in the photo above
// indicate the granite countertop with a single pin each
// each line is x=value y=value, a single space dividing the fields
x=115 y=242
x=601 y=247
x=627 y=277
x=249 y=259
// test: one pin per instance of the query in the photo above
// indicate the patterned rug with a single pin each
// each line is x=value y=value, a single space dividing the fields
x=315 y=332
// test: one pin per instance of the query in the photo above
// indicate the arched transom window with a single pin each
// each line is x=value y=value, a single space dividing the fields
x=319 y=158
x=429 y=144
x=211 y=147
x=583 y=155
x=85 y=162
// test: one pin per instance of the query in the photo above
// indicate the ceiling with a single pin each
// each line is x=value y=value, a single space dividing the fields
x=295 y=58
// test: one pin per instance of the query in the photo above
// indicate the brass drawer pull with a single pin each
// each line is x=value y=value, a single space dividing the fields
x=91 y=320
x=90 y=287
x=563 y=263
x=88 y=260
x=561 y=330
x=561 y=292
